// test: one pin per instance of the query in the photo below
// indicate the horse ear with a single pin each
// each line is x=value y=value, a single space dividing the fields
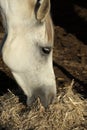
x=42 y=9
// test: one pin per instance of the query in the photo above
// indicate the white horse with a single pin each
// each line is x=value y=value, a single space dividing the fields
x=28 y=47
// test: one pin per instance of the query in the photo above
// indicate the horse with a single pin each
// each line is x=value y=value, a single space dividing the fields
x=28 y=47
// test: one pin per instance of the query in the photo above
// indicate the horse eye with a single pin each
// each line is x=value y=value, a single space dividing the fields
x=46 y=50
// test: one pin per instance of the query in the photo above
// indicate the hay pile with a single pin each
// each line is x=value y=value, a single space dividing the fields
x=68 y=112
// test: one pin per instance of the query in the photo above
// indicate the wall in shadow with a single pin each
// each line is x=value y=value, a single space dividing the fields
x=64 y=15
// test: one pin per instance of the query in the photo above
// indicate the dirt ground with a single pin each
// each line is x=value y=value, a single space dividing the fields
x=69 y=110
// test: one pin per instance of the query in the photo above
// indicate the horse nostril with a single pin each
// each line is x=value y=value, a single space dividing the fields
x=47 y=99
x=51 y=97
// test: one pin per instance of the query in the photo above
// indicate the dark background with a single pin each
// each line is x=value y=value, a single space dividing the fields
x=64 y=14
